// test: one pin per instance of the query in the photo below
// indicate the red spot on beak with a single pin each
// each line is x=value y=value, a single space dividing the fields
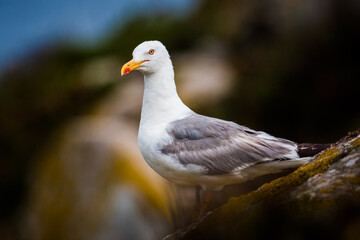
x=126 y=70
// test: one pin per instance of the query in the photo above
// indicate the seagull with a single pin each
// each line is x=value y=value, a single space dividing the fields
x=195 y=150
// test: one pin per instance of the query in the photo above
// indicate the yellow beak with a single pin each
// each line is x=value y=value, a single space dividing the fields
x=130 y=66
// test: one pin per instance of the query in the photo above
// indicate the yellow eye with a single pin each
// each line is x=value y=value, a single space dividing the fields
x=151 y=52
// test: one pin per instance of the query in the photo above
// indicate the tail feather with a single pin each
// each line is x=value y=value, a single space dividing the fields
x=309 y=149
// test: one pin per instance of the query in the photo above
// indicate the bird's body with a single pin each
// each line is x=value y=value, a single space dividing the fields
x=191 y=149
x=198 y=150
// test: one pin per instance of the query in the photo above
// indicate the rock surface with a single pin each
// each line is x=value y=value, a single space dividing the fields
x=319 y=200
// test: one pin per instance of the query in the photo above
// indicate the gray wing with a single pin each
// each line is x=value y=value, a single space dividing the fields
x=222 y=146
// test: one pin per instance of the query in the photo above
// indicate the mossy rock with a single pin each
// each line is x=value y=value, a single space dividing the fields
x=321 y=199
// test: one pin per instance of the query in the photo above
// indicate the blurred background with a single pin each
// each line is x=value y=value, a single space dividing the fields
x=70 y=165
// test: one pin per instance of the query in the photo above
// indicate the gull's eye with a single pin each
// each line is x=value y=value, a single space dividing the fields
x=151 y=52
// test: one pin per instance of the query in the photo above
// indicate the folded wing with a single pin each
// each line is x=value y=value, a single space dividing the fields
x=222 y=147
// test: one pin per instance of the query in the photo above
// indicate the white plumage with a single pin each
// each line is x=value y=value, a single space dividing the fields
x=192 y=149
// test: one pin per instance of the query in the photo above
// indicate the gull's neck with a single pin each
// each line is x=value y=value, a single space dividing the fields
x=161 y=103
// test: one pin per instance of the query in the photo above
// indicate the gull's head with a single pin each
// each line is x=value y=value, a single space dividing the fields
x=148 y=57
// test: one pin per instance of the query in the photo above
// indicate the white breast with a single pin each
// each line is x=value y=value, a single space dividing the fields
x=151 y=140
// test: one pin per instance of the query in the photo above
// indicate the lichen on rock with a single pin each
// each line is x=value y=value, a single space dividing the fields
x=321 y=198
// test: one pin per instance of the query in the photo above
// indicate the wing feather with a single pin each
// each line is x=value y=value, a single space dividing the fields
x=222 y=146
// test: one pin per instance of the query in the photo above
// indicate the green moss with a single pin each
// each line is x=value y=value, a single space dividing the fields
x=280 y=185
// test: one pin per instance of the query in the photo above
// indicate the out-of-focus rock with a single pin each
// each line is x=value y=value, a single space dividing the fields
x=92 y=182
x=204 y=77
x=100 y=71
